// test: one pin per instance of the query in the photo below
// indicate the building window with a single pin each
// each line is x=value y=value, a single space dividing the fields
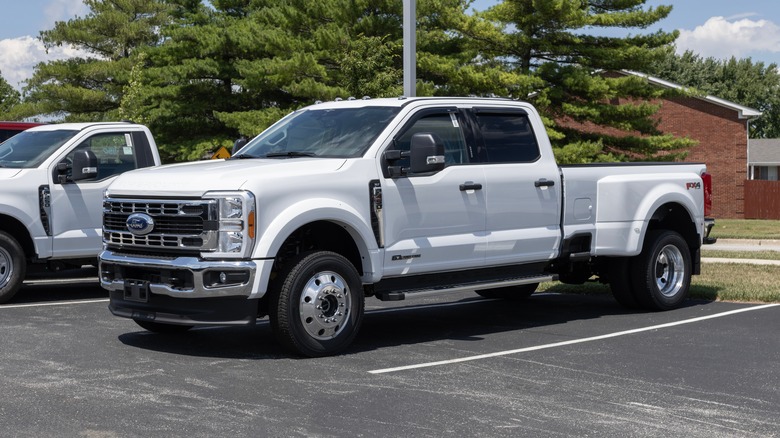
x=765 y=173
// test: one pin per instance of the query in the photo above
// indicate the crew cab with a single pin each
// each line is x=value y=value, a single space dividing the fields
x=53 y=178
x=391 y=198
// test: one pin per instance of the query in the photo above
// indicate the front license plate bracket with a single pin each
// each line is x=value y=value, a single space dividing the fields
x=137 y=290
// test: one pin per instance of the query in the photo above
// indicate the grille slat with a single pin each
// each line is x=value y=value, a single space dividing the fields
x=178 y=224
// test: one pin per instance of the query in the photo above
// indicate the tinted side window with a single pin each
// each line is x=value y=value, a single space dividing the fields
x=115 y=153
x=507 y=138
x=446 y=127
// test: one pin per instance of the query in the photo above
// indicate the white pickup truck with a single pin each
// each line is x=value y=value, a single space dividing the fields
x=391 y=198
x=51 y=202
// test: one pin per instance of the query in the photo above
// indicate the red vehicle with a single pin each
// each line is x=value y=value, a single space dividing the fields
x=9 y=129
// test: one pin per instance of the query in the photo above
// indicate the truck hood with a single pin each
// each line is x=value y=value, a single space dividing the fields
x=6 y=173
x=196 y=178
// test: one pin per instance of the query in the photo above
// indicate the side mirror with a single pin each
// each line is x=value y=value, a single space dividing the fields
x=238 y=144
x=426 y=153
x=84 y=165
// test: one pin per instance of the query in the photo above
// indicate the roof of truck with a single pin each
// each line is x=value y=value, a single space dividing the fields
x=75 y=126
x=352 y=102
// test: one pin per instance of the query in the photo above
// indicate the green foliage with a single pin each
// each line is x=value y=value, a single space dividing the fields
x=9 y=98
x=90 y=88
x=200 y=74
x=591 y=115
x=754 y=85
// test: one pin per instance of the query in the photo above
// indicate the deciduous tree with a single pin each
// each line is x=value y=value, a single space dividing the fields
x=753 y=84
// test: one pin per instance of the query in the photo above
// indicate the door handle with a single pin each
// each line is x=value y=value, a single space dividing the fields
x=544 y=183
x=470 y=186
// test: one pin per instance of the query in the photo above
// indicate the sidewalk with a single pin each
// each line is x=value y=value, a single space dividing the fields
x=742 y=245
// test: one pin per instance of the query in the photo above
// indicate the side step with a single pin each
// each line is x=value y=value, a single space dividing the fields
x=517 y=281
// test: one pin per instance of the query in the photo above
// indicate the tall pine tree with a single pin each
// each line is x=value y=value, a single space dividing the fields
x=591 y=115
x=90 y=88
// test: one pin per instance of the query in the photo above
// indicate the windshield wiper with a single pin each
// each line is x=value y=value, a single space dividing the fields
x=242 y=157
x=290 y=154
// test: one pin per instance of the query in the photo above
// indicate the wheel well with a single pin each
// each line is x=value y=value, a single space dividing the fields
x=18 y=231
x=321 y=235
x=676 y=218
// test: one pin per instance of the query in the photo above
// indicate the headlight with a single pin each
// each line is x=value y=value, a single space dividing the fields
x=235 y=213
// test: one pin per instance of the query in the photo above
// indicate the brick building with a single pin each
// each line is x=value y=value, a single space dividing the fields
x=721 y=128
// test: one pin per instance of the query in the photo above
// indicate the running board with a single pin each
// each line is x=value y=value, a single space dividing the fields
x=402 y=294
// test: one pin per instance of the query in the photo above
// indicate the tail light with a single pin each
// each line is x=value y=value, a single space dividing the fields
x=706 y=179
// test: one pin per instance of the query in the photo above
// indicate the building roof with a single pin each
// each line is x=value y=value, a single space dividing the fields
x=744 y=111
x=764 y=151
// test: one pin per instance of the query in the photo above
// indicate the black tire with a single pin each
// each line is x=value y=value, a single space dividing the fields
x=661 y=274
x=316 y=304
x=161 y=327
x=620 y=282
x=512 y=293
x=13 y=267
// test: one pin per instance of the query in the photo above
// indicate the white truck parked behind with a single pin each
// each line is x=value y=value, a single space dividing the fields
x=391 y=198
x=53 y=178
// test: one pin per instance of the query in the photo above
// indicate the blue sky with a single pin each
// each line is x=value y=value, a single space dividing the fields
x=719 y=28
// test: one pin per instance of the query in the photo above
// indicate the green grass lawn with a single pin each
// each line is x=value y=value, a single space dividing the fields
x=721 y=281
x=718 y=281
x=746 y=229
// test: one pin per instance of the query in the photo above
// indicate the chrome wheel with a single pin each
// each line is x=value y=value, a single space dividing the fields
x=669 y=271
x=661 y=273
x=316 y=304
x=6 y=267
x=324 y=305
x=12 y=267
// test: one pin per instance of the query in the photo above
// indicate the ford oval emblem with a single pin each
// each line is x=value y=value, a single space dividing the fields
x=140 y=224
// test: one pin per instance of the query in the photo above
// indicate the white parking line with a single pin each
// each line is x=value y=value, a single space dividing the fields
x=58 y=303
x=571 y=342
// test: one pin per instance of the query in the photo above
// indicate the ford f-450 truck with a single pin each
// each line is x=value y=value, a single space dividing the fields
x=390 y=198
x=51 y=202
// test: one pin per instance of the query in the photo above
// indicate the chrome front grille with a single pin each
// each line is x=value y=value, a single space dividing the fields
x=178 y=224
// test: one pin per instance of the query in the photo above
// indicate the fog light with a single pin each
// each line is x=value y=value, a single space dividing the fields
x=222 y=277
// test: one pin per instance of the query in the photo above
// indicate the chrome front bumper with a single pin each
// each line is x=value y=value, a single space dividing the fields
x=180 y=277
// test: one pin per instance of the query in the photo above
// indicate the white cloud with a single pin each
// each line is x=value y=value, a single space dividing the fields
x=721 y=38
x=18 y=56
x=64 y=10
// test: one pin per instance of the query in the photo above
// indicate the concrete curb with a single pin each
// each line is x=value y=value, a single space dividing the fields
x=757 y=242
x=741 y=261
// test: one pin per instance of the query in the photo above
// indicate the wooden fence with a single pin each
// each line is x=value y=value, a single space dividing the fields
x=762 y=199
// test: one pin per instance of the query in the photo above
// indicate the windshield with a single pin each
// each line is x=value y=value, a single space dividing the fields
x=333 y=133
x=29 y=149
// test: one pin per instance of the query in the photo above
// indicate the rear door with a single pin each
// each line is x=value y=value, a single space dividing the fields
x=523 y=186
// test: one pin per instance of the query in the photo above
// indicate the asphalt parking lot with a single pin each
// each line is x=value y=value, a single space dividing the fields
x=452 y=365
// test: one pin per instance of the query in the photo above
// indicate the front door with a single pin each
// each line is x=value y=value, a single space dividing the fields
x=77 y=207
x=435 y=222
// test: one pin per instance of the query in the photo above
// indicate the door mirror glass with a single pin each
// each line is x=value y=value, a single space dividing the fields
x=84 y=165
x=427 y=153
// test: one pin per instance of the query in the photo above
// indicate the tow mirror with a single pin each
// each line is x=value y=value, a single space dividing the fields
x=426 y=153
x=84 y=165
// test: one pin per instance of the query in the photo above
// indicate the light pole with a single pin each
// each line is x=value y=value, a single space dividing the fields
x=410 y=48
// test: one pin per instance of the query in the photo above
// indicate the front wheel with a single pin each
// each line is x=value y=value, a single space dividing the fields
x=12 y=267
x=316 y=304
x=662 y=271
